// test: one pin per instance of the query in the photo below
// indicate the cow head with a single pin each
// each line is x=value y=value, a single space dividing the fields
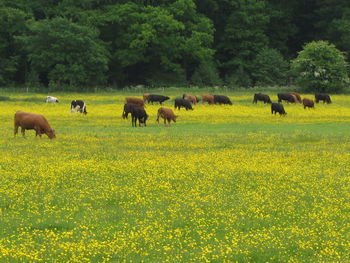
x=51 y=134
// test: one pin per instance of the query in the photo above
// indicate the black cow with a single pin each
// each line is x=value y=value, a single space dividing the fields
x=157 y=98
x=78 y=105
x=285 y=96
x=138 y=113
x=183 y=103
x=324 y=97
x=277 y=107
x=220 y=99
x=128 y=108
x=262 y=97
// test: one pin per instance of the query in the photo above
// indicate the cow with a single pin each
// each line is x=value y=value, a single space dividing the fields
x=193 y=99
x=208 y=98
x=285 y=96
x=308 y=103
x=277 y=107
x=297 y=95
x=221 y=99
x=157 y=98
x=78 y=105
x=183 y=103
x=50 y=99
x=32 y=121
x=324 y=97
x=138 y=113
x=262 y=97
x=128 y=108
x=167 y=115
x=135 y=101
x=145 y=97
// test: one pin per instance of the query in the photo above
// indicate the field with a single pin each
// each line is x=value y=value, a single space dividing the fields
x=223 y=184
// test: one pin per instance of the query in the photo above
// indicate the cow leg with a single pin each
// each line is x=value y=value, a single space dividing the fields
x=23 y=131
x=164 y=121
x=15 y=130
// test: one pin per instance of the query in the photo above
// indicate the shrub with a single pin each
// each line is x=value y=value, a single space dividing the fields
x=321 y=67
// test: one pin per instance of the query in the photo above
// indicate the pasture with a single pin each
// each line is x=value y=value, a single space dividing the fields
x=223 y=184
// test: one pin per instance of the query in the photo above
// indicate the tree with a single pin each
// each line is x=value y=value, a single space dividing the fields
x=269 y=68
x=66 y=53
x=12 y=24
x=321 y=67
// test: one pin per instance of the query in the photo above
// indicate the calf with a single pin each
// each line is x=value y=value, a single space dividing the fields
x=78 y=105
x=208 y=98
x=193 y=99
x=32 y=121
x=50 y=99
x=324 y=97
x=285 y=96
x=183 y=103
x=297 y=95
x=157 y=98
x=308 y=103
x=128 y=109
x=167 y=115
x=221 y=99
x=138 y=113
x=135 y=101
x=262 y=97
x=277 y=107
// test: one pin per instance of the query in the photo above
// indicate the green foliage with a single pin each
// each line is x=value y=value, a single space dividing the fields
x=269 y=68
x=321 y=67
x=66 y=53
x=206 y=74
x=12 y=24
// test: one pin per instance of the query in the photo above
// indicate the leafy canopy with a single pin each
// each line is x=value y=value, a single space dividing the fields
x=321 y=67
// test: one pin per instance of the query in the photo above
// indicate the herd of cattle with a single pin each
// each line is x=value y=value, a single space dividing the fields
x=136 y=107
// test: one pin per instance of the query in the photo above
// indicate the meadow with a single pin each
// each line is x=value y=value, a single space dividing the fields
x=223 y=184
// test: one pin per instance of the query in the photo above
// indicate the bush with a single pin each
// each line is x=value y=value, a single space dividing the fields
x=206 y=74
x=269 y=68
x=321 y=67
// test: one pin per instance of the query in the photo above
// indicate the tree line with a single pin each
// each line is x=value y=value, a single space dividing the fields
x=84 y=43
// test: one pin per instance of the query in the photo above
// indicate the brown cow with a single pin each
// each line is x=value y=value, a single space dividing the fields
x=136 y=101
x=295 y=98
x=208 y=98
x=145 y=97
x=308 y=103
x=297 y=95
x=32 y=121
x=190 y=98
x=167 y=115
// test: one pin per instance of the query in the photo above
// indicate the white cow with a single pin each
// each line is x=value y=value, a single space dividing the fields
x=50 y=99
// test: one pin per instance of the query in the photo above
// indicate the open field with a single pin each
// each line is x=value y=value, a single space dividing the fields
x=224 y=183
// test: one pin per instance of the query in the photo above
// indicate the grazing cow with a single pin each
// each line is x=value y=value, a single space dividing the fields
x=308 y=103
x=32 y=121
x=295 y=98
x=221 y=99
x=167 y=115
x=128 y=109
x=138 y=113
x=193 y=99
x=262 y=97
x=157 y=98
x=208 y=98
x=145 y=97
x=285 y=96
x=135 y=101
x=78 y=105
x=183 y=103
x=324 y=97
x=277 y=107
x=297 y=95
x=50 y=99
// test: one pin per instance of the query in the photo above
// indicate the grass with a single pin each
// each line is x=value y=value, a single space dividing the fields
x=224 y=183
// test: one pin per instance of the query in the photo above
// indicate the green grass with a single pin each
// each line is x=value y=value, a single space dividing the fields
x=232 y=184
